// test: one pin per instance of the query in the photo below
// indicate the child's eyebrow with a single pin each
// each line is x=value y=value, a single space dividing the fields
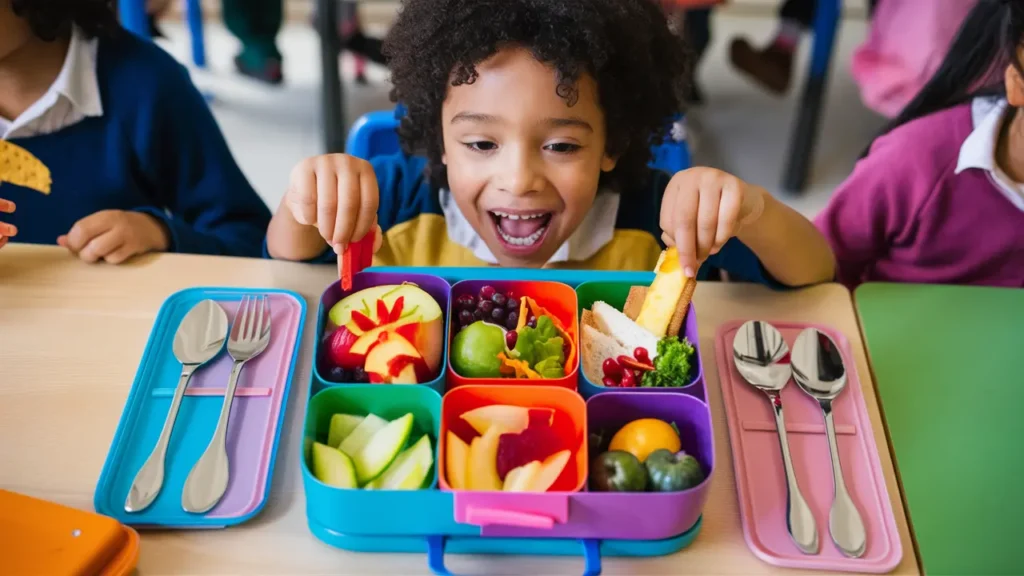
x=556 y=122
x=474 y=117
x=570 y=122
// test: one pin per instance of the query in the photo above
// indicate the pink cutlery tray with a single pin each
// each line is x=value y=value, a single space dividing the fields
x=760 y=476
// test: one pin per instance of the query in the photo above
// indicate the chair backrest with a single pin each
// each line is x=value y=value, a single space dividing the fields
x=374 y=134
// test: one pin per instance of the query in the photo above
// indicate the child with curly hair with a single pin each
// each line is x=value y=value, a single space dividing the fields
x=137 y=161
x=532 y=121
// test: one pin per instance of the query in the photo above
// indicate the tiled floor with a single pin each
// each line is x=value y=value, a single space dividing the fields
x=740 y=129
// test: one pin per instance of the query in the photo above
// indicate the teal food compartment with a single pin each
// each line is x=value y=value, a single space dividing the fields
x=435 y=519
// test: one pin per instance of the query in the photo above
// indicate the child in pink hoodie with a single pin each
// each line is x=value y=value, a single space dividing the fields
x=939 y=198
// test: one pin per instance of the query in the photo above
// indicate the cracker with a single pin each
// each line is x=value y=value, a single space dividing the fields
x=635 y=301
x=21 y=168
x=675 y=325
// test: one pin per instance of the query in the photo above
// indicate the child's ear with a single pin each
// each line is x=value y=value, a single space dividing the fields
x=608 y=163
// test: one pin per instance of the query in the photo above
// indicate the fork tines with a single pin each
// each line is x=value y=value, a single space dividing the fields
x=252 y=319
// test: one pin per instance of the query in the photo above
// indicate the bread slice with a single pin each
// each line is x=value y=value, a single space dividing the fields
x=622 y=329
x=595 y=347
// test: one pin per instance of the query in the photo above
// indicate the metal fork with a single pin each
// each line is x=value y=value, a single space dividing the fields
x=208 y=479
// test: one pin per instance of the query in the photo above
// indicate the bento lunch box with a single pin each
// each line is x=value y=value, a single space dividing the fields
x=567 y=519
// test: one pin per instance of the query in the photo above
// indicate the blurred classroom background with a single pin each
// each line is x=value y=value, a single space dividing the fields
x=740 y=128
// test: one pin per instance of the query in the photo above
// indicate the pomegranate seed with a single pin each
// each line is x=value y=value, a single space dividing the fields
x=609 y=382
x=487 y=292
x=641 y=355
x=628 y=379
x=611 y=368
x=510 y=339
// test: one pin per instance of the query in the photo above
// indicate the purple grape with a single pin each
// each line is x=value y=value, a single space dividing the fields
x=360 y=375
x=485 y=306
x=499 y=299
x=465 y=317
x=487 y=292
x=478 y=314
x=531 y=321
x=465 y=302
x=498 y=315
x=512 y=304
x=512 y=322
x=337 y=374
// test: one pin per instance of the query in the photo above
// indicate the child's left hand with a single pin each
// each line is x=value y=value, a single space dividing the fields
x=702 y=209
x=114 y=236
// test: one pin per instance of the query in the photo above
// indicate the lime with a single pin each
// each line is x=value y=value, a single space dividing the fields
x=475 y=350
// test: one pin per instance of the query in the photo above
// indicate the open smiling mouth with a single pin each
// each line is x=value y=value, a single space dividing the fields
x=521 y=231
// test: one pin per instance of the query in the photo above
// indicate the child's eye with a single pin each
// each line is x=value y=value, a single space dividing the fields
x=481 y=146
x=563 y=147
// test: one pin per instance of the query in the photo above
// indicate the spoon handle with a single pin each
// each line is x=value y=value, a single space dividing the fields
x=844 y=522
x=150 y=478
x=799 y=519
x=208 y=480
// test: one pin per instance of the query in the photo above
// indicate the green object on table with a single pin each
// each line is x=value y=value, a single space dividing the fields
x=949 y=369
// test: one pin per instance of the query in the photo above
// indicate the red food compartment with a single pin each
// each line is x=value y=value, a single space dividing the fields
x=556 y=299
x=568 y=429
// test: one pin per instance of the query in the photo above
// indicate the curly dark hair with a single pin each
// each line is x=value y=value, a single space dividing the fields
x=639 y=65
x=52 y=19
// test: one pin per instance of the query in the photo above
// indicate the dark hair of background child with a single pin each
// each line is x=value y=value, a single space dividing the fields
x=639 y=65
x=988 y=40
x=52 y=19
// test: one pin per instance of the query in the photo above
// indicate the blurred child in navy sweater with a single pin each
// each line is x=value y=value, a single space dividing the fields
x=137 y=161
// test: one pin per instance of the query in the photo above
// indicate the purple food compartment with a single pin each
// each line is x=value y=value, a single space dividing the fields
x=437 y=287
x=631 y=515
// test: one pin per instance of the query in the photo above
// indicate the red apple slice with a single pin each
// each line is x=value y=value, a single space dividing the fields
x=456 y=456
x=520 y=479
x=482 y=474
x=549 y=472
x=394 y=359
x=508 y=418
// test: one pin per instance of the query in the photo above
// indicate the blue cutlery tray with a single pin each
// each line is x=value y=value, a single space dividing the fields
x=254 y=424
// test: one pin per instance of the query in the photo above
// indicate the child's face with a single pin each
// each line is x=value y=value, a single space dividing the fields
x=523 y=166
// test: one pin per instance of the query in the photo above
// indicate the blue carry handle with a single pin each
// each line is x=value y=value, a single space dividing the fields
x=591 y=556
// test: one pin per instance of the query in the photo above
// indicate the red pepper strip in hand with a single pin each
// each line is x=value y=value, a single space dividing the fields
x=357 y=257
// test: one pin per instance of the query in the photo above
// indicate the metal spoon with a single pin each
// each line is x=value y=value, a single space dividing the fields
x=760 y=354
x=200 y=337
x=818 y=371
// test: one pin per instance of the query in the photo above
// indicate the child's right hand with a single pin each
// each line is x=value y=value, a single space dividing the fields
x=337 y=194
x=6 y=230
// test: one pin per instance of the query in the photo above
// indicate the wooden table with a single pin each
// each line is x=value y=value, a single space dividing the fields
x=72 y=334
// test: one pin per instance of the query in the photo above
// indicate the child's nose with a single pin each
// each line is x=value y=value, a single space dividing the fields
x=522 y=172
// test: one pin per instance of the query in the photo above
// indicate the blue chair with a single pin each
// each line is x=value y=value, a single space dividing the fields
x=133 y=18
x=374 y=134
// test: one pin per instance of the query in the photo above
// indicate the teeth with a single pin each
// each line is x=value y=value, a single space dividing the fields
x=518 y=216
x=528 y=241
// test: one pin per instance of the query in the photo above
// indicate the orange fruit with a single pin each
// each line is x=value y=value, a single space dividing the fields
x=643 y=436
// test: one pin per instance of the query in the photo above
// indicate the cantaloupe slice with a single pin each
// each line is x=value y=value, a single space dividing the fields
x=456 y=456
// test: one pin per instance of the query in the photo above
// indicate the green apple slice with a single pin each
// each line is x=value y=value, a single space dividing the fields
x=385 y=445
x=341 y=426
x=362 y=434
x=409 y=470
x=333 y=467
